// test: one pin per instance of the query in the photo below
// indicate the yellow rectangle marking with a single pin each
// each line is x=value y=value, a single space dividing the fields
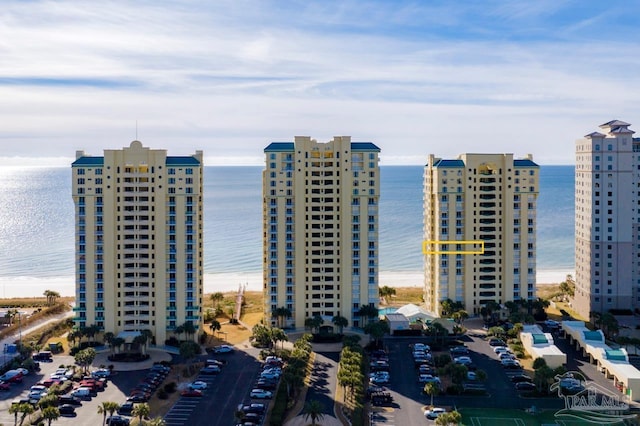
x=431 y=247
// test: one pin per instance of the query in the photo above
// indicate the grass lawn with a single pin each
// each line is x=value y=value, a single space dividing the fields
x=485 y=417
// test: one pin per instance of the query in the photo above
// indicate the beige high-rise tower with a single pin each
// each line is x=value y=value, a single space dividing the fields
x=607 y=226
x=475 y=201
x=320 y=222
x=138 y=241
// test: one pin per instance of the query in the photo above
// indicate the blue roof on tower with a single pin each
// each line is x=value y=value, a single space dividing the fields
x=280 y=147
x=524 y=163
x=182 y=161
x=88 y=162
x=364 y=146
x=449 y=163
x=290 y=147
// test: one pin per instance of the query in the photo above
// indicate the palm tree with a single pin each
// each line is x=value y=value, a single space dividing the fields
x=313 y=410
x=26 y=409
x=215 y=326
x=340 y=322
x=117 y=342
x=281 y=313
x=108 y=339
x=109 y=407
x=216 y=298
x=189 y=329
x=367 y=312
x=51 y=296
x=156 y=421
x=385 y=292
x=14 y=409
x=278 y=335
x=431 y=389
x=179 y=330
x=140 y=411
x=50 y=414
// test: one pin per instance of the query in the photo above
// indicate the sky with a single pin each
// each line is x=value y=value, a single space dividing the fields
x=230 y=76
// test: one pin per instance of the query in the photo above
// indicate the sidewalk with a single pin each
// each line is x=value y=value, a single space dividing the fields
x=9 y=340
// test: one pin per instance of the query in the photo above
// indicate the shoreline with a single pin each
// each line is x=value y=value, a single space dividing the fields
x=15 y=287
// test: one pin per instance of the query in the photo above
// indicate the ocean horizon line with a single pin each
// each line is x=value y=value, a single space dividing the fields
x=65 y=162
x=29 y=287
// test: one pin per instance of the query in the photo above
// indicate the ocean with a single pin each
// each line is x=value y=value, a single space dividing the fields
x=37 y=228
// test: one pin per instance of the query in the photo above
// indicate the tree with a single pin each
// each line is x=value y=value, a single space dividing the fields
x=73 y=335
x=278 y=335
x=340 y=322
x=385 y=292
x=108 y=339
x=367 y=313
x=189 y=329
x=179 y=330
x=215 y=326
x=25 y=409
x=51 y=296
x=156 y=421
x=261 y=335
x=432 y=389
x=14 y=409
x=50 y=414
x=189 y=350
x=609 y=325
x=109 y=407
x=140 y=411
x=568 y=286
x=542 y=378
x=313 y=410
x=85 y=357
x=216 y=298
x=377 y=330
x=49 y=400
x=117 y=342
x=450 y=418
x=460 y=316
x=281 y=314
x=539 y=363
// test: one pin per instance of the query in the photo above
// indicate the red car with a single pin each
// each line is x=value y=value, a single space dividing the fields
x=5 y=386
x=191 y=392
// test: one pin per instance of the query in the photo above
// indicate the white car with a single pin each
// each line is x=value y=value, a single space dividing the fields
x=463 y=360
x=199 y=385
x=433 y=413
x=428 y=378
x=500 y=349
x=223 y=349
x=260 y=394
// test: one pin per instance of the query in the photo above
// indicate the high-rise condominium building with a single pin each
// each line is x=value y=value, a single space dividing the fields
x=320 y=222
x=488 y=198
x=138 y=241
x=607 y=224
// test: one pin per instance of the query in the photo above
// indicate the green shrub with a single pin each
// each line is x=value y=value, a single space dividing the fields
x=162 y=394
x=279 y=407
x=170 y=387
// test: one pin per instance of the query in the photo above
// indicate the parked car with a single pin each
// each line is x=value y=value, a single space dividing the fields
x=519 y=378
x=5 y=386
x=506 y=355
x=211 y=369
x=66 y=409
x=525 y=386
x=70 y=400
x=191 y=392
x=117 y=421
x=198 y=384
x=126 y=408
x=510 y=363
x=501 y=349
x=253 y=408
x=497 y=342
x=266 y=384
x=433 y=413
x=463 y=360
x=260 y=394
x=551 y=323
x=223 y=349
x=459 y=350
x=428 y=378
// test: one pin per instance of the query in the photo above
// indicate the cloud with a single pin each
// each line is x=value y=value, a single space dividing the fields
x=228 y=77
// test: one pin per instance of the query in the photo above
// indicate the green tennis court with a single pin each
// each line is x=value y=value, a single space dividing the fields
x=488 y=417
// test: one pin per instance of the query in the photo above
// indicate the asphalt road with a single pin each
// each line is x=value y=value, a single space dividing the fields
x=324 y=380
x=225 y=392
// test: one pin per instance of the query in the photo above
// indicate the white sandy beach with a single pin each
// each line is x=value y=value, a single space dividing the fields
x=35 y=287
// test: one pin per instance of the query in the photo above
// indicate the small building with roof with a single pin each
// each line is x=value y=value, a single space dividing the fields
x=614 y=363
x=539 y=344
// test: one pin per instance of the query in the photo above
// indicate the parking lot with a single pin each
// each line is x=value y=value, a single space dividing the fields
x=86 y=415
